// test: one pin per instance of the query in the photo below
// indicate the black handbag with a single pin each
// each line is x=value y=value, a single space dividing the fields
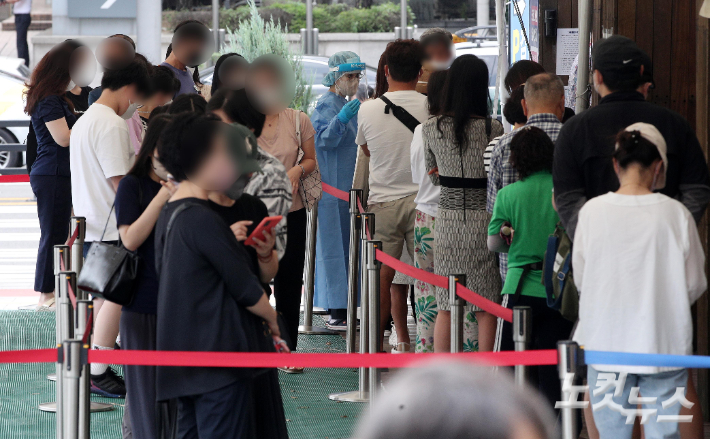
x=110 y=271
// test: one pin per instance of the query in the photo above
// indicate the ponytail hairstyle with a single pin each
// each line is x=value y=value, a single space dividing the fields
x=531 y=151
x=632 y=147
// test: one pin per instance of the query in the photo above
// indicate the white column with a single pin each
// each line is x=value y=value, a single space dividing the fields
x=585 y=27
x=482 y=12
x=148 y=26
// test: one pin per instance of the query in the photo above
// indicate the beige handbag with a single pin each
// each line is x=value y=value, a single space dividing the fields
x=311 y=187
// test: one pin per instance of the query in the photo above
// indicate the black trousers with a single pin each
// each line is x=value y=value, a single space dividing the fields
x=53 y=194
x=22 y=24
x=288 y=283
x=138 y=332
x=548 y=327
x=220 y=414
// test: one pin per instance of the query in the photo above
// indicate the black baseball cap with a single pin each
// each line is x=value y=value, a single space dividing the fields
x=618 y=59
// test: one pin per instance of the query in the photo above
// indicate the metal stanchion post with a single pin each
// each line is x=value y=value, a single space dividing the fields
x=567 y=362
x=456 y=306
x=309 y=277
x=84 y=308
x=77 y=250
x=353 y=268
x=62 y=254
x=361 y=394
x=71 y=372
x=64 y=326
x=522 y=328
x=373 y=277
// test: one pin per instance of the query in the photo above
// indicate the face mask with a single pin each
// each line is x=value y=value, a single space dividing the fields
x=71 y=85
x=132 y=107
x=438 y=66
x=159 y=170
x=237 y=189
x=347 y=87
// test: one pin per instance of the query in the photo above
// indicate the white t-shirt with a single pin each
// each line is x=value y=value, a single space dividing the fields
x=639 y=266
x=427 y=199
x=99 y=149
x=22 y=7
x=389 y=143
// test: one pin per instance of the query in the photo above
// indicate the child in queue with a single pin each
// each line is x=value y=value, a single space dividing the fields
x=206 y=285
x=639 y=266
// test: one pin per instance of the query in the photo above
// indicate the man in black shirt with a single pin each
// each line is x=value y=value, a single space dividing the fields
x=582 y=165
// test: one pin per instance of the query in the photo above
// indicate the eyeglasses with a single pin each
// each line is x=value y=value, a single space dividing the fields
x=354 y=75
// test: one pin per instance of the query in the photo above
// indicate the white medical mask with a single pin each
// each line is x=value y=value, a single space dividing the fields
x=159 y=169
x=132 y=107
x=346 y=87
x=438 y=66
x=71 y=85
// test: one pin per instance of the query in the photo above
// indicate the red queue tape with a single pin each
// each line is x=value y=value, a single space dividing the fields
x=430 y=278
x=19 y=178
x=253 y=359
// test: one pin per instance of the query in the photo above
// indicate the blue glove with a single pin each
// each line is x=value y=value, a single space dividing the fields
x=349 y=111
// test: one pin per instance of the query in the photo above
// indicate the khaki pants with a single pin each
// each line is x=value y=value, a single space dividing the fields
x=394 y=225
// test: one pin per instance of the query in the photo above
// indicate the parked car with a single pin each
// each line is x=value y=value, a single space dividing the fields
x=314 y=67
x=13 y=75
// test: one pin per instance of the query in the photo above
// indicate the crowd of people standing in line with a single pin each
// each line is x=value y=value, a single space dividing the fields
x=183 y=181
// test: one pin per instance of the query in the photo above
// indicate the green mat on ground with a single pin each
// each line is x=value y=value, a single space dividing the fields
x=23 y=387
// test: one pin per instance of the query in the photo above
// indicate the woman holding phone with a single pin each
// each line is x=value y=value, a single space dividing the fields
x=141 y=196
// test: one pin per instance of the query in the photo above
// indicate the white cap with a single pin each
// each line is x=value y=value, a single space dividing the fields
x=651 y=133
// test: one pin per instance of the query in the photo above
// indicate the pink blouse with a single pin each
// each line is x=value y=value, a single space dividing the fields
x=284 y=144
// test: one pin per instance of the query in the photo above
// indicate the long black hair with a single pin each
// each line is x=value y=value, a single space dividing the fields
x=144 y=159
x=216 y=80
x=435 y=91
x=465 y=94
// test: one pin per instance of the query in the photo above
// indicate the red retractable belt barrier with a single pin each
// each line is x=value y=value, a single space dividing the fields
x=430 y=278
x=252 y=359
x=19 y=178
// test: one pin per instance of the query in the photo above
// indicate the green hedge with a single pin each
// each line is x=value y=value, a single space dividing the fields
x=292 y=15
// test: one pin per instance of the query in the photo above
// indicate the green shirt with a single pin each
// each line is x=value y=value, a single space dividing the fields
x=527 y=205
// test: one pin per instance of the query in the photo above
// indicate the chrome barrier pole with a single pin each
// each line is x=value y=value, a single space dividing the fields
x=353 y=269
x=64 y=328
x=361 y=394
x=71 y=372
x=310 y=275
x=77 y=250
x=84 y=309
x=567 y=356
x=456 y=306
x=375 y=346
x=62 y=253
x=522 y=329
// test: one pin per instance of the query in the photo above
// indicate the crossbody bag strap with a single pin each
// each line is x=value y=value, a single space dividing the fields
x=107 y=221
x=401 y=114
x=174 y=215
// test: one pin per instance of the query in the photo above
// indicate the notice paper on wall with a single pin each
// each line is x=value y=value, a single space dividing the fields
x=567 y=49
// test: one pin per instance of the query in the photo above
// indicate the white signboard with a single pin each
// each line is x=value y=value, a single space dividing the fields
x=567 y=49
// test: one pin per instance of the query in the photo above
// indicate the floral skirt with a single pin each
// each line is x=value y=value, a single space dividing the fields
x=425 y=294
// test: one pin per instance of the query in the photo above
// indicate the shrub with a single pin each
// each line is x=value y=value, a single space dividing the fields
x=256 y=36
x=291 y=15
